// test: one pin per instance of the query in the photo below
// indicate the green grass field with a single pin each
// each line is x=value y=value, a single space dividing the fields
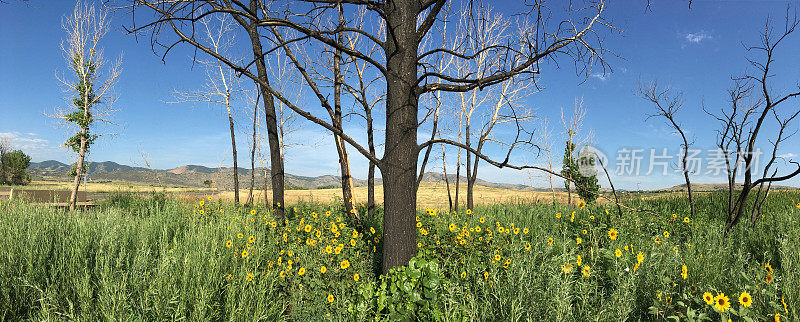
x=163 y=259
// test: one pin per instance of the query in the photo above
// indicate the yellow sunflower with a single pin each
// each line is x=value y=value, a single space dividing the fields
x=722 y=302
x=612 y=234
x=330 y=298
x=745 y=299
x=709 y=298
x=618 y=253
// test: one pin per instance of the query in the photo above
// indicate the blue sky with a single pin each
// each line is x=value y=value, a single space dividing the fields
x=696 y=51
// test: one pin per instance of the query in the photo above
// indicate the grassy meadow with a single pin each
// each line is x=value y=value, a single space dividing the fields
x=161 y=258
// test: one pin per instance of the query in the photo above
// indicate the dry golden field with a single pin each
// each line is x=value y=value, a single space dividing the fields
x=432 y=195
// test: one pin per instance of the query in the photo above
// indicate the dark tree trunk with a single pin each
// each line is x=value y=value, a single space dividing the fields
x=235 y=158
x=446 y=180
x=469 y=165
x=275 y=156
x=371 y=190
x=399 y=164
x=76 y=183
x=458 y=180
x=371 y=169
x=341 y=148
x=471 y=180
x=253 y=154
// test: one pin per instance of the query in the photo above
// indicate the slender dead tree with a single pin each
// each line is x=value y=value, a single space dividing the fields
x=313 y=77
x=568 y=34
x=253 y=144
x=483 y=28
x=222 y=85
x=93 y=84
x=730 y=140
x=667 y=106
x=766 y=103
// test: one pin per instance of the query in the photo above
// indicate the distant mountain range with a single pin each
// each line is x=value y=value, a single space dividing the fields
x=195 y=175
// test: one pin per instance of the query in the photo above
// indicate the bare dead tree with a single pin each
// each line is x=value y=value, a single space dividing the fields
x=365 y=97
x=763 y=191
x=313 y=78
x=253 y=144
x=408 y=73
x=744 y=132
x=667 y=106
x=93 y=84
x=482 y=28
x=545 y=144
x=730 y=141
x=222 y=85
x=146 y=160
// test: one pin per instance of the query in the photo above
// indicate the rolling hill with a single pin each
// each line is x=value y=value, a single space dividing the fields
x=195 y=175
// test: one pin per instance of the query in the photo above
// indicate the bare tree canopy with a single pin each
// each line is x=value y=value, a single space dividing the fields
x=544 y=36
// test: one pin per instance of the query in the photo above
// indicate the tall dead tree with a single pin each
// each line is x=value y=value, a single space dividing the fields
x=667 y=106
x=93 y=84
x=742 y=123
x=407 y=72
x=222 y=85
x=480 y=28
x=253 y=145
x=331 y=72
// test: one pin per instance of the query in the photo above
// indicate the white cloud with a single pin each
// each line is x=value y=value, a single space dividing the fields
x=787 y=155
x=697 y=37
x=603 y=77
x=24 y=141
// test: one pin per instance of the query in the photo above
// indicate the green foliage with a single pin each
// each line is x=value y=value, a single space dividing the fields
x=407 y=293
x=207 y=183
x=83 y=102
x=73 y=169
x=586 y=186
x=15 y=165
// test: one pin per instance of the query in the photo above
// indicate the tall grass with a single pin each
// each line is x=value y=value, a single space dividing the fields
x=157 y=258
